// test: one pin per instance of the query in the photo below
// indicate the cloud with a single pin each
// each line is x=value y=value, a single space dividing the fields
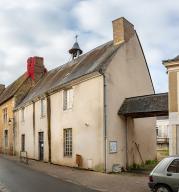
x=47 y=28
x=156 y=23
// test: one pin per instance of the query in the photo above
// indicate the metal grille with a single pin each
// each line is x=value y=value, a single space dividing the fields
x=68 y=142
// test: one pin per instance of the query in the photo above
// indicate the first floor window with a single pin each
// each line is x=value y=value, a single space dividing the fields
x=6 y=138
x=68 y=99
x=42 y=107
x=67 y=142
x=5 y=115
x=23 y=142
x=22 y=115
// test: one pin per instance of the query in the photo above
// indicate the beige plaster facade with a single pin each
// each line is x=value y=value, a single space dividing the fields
x=127 y=76
x=99 y=134
x=86 y=120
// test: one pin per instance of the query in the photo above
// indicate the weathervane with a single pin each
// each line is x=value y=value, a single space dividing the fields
x=76 y=37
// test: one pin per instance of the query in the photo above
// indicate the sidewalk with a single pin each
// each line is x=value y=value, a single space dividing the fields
x=124 y=182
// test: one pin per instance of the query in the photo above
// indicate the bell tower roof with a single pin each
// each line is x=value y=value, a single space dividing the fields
x=75 y=51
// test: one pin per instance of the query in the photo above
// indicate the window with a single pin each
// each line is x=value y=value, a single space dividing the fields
x=22 y=115
x=5 y=115
x=42 y=107
x=157 y=131
x=6 y=138
x=67 y=142
x=23 y=142
x=68 y=99
x=174 y=166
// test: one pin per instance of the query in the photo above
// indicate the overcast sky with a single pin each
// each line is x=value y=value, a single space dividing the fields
x=47 y=28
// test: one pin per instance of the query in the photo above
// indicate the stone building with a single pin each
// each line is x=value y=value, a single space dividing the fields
x=172 y=66
x=11 y=96
x=71 y=117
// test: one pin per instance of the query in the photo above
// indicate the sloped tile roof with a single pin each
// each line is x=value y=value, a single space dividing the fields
x=95 y=60
x=145 y=106
x=12 y=89
x=174 y=59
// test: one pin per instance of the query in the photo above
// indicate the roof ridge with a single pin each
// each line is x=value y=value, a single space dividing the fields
x=147 y=95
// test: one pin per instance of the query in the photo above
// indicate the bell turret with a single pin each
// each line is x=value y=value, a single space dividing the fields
x=75 y=51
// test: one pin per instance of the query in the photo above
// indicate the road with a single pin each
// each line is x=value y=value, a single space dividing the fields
x=15 y=177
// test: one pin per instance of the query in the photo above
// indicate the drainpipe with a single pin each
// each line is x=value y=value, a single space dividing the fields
x=127 y=163
x=105 y=120
x=49 y=125
x=33 y=103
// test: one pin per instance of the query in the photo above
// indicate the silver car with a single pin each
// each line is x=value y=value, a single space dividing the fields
x=165 y=176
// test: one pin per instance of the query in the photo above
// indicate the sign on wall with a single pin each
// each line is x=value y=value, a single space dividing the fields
x=113 y=147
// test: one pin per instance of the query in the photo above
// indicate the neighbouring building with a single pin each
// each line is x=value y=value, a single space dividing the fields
x=71 y=116
x=11 y=96
x=172 y=66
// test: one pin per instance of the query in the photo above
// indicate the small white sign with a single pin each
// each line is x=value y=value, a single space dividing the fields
x=113 y=147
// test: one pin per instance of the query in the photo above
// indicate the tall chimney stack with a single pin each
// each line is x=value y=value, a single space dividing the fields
x=123 y=30
x=35 y=68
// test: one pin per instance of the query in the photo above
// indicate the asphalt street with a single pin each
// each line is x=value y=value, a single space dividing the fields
x=15 y=177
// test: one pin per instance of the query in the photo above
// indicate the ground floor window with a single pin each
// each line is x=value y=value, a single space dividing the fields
x=67 y=142
x=22 y=142
x=6 y=138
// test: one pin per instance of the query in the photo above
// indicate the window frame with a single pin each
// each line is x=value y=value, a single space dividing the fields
x=5 y=115
x=23 y=114
x=68 y=98
x=67 y=142
x=42 y=108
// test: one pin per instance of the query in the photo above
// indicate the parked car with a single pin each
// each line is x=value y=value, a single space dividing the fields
x=165 y=176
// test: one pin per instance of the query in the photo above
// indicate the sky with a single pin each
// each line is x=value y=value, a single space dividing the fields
x=47 y=28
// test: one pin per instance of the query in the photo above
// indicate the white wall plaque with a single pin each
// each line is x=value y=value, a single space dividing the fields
x=113 y=147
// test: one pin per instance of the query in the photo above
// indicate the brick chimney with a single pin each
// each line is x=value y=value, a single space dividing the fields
x=35 y=68
x=123 y=30
x=2 y=88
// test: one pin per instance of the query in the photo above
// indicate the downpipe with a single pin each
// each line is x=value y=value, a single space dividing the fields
x=105 y=120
